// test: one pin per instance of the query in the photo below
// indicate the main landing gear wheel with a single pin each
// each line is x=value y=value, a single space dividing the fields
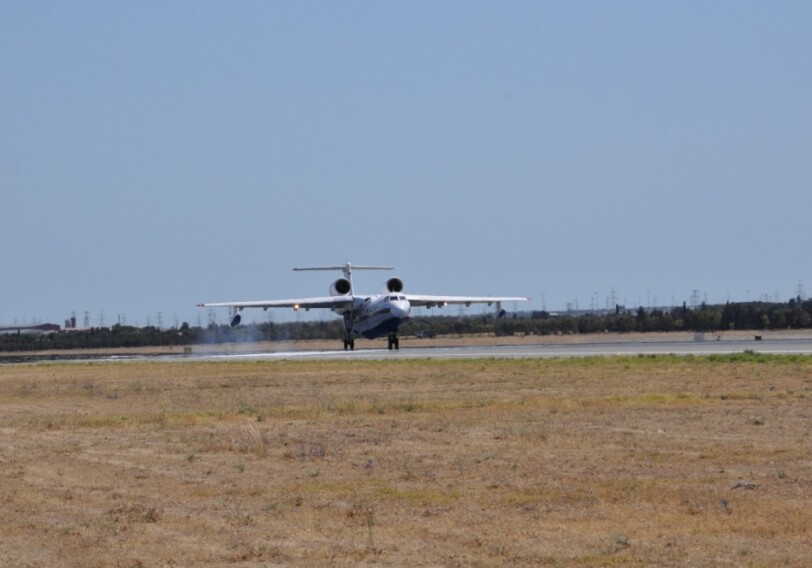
x=349 y=343
x=394 y=342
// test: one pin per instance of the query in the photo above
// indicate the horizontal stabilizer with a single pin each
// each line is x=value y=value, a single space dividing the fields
x=346 y=268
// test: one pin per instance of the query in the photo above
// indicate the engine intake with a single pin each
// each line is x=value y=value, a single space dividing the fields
x=340 y=287
x=393 y=285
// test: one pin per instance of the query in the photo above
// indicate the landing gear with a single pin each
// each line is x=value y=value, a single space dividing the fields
x=349 y=342
x=394 y=342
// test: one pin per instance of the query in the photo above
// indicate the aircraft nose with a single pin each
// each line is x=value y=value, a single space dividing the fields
x=400 y=309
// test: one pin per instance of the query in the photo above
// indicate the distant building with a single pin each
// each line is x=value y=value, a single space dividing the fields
x=32 y=329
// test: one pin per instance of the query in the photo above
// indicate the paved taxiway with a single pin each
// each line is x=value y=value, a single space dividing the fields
x=539 y=350
x=780 y=346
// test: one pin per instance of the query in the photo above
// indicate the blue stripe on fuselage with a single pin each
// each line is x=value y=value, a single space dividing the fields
x=388 y=326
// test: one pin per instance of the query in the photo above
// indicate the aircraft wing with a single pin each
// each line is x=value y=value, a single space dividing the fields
x=306 y=303
x=431 y=301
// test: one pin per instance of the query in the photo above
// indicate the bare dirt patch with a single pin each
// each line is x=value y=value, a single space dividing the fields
x=616 y=461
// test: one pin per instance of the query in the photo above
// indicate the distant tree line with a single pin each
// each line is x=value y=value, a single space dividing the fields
x=119 y=336
x=97 y=338
x=795 y=314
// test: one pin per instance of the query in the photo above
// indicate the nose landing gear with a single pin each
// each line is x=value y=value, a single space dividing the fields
x=394 y=342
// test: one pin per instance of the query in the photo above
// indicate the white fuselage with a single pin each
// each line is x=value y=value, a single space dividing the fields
x=376 y=316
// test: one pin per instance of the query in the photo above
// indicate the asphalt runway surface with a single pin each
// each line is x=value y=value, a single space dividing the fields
x=539 y=350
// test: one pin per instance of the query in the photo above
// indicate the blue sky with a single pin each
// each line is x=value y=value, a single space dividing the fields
x=158 y=154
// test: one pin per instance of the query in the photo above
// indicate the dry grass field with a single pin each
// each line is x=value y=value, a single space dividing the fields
x=638 y=461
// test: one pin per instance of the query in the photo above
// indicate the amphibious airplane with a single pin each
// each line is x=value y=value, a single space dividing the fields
x=368 y=316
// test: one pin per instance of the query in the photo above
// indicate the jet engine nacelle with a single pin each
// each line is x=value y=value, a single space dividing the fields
x=393 y=285
x=340 y=287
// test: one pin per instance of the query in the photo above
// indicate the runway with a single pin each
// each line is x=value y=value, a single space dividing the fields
x=540 y=350
x=797 y=346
